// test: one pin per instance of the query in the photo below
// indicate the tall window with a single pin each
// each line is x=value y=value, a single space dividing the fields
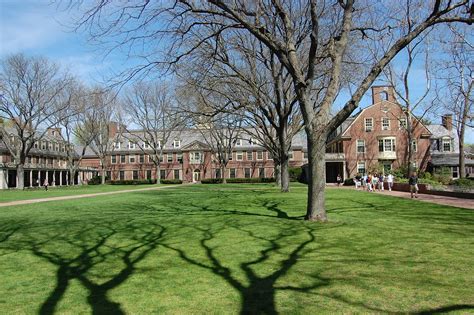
x=142 y=158
x=385 y=123
x=122 y=159
x=247 y=172
x=170 y=157
x=259 y=155
x=218 y=173
x=179 y=157
x=261 y=172
x=447 y=144
x=195 y=157
x=239 y=156
x=361 y=168
x=232 y=173
x=148 y=174
x=414 y=146
x=121 y=175
x=162 y=174
x=360 y=146
x=113 y=159
x=135 y=175
x=249 y=155
x=402 y=122
x=176 y=174
x=369 y=124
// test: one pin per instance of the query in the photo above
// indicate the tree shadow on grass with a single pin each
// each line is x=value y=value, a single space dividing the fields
x=76 y=253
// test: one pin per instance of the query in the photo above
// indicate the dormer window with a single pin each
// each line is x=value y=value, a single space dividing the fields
x=146 y=146
x=447 y=147
x=117 y=145
x=383 y=96
x=238 y=142
x=176 y=144
x=131 y=145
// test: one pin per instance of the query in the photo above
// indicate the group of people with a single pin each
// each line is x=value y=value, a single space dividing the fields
x=375 y=181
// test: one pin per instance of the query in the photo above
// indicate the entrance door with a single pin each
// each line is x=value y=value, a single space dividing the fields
x=196 y=176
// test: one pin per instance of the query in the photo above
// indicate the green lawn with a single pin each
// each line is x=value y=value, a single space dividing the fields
x=13 y=194
x=224 y=249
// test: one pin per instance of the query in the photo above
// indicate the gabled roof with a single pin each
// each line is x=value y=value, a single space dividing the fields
x=195 y=145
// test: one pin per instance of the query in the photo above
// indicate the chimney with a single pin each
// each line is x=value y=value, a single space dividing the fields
x=54 y=132
x=383 y=93
x=447 y=121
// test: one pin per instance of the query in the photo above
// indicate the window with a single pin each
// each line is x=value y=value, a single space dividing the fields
x=131 y=159
x=247 y=172
x=305 y=155
x=230 y=156
x=249 y=155
x=117 y=145
x=446 y=144
x=269 y=156
x=369 y=124
x=162 y=174
x=108 y=175
x=385 y=123
x=218 y=173
x=113 y=159
x=146 y=146
x=148 y=174
x=232 y=173
x=176 y=174
x=383 y=96
x=259 y=155
x=414 y=146
x=161 y=158
x=360 y=146
x=170 y=157
x=122 y=159
x=179 y=157
x=361 y=168
x=195 y=157
x=455 y=172
x=402 y=122
x=176 y=143
x=131 y=145
x=387 y=166
x=238 y=142
x=121 y=175
x=290 y=155
x=261 y=172
x=135 y=175
x=387 y=145
x=239 y=156
x=142 y=158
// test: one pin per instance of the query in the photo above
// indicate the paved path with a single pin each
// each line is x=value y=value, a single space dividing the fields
x=441 y=200
x=30 y=201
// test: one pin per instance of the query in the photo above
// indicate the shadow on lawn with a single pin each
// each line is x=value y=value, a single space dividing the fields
x=89 y=247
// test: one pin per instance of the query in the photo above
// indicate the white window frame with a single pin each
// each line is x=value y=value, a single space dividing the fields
x=393 y=144
x=359 y=168
x=117 y=145
x=259 y=155
x=131 y=145
x=357 y=146
x=446 y=141
x=176 y=144
x=192 y=157
x=130 y=157
x=402 y=122
x=238 y=142
x=239 y=156
x=291 y=155
x=112 y=159
x=247 y=155
x=169 y=157
x=371 y=124
x=145 y=145
x=385 y=123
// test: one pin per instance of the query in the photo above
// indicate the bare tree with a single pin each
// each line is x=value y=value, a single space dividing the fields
x=99 y=123
x=457 y=75
x=152 y=108
x=30 y=100
x=313 y=40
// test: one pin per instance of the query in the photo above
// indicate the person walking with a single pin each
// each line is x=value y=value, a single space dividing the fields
x=413 y=182
x=369 y=182
x=45 y=184
x=381 y=180
x=338 y=180
x=390 y=181
x=357 y=180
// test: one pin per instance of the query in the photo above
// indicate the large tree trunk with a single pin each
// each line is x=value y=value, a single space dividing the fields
x=20 y=176
x=223 y=169
x=316 y=210
x=102 y=176
x=410 y=168
x=72 y=173
x=157 y=172
x=285 y=176
x=277 y=173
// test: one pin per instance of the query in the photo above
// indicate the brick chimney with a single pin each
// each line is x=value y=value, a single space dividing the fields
x=383 y=93
x=447 y=121
x=54 y=132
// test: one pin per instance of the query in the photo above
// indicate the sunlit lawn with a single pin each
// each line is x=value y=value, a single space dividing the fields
x=217 y=249
x=14 y=194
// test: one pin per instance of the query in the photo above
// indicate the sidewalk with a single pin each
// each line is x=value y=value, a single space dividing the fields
x=30 y=201
x=441 y=200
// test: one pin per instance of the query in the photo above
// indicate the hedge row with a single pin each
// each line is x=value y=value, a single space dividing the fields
x=171 y=181
x=238 y=180
x=133 y=182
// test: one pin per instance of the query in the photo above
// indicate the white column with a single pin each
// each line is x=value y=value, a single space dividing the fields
x=60 y=178
x=54 y=177
x=67 y=178
x=343 y=171
x=47 y=176
x=3 y=179
x=31 y=178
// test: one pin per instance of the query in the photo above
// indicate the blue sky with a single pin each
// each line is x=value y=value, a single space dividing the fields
x=36 y=27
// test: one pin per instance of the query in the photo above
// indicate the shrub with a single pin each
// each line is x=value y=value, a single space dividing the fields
x=295 y=173
x=211 y=181
x=443 y=175
x=133 y=182
x=464 y=182
x=349 y=182
x=251 y=180
x=96 y=180
x=171 y=181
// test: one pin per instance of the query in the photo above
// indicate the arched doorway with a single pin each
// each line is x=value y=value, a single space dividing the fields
x=196 y=176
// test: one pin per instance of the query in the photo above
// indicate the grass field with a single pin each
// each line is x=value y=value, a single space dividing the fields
x=223 y=249
x=13 y=194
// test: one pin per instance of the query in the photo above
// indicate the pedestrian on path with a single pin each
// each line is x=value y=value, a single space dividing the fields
x=339 y=179
x=381 y=179
x=413 y=182
x=45 y=184
x=390 y=181
x=369 y=183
